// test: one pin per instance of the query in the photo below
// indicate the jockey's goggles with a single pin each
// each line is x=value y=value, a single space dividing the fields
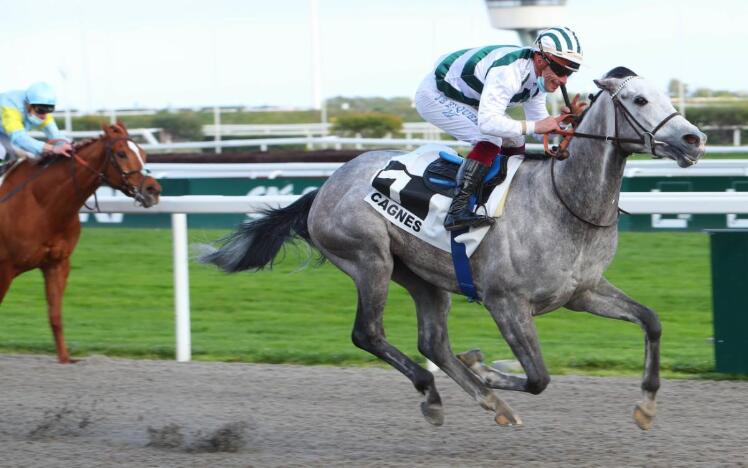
x=558 y=69
x=42 y=108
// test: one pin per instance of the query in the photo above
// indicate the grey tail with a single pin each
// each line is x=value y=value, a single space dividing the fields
x=257 y=242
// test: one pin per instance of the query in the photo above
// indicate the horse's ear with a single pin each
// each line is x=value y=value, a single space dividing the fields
x=121 y=125
x=607 y=84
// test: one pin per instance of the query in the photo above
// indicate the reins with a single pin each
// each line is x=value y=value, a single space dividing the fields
x=17 y=189
x=646 y=139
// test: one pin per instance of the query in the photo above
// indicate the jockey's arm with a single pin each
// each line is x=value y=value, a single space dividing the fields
x=53 y=133
x=14 y=128
x=536 y=111
x=501 y=84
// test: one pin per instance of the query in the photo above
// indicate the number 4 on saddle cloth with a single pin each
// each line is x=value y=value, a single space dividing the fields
x=414 y=190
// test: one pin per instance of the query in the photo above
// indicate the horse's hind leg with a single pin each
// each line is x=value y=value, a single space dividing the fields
x=432 y=309
x=371 y=269
x=606 y=300
x=55 y=280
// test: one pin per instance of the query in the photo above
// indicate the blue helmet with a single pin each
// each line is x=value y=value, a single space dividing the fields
x=41 y=93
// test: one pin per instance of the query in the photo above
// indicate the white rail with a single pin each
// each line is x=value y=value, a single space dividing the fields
x=358 y=143
x=634 y=202
x=654 y=168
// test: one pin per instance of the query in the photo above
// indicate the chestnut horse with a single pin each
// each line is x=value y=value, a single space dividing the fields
x=39 y=205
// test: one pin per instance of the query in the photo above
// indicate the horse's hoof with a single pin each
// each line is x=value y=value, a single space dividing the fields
x=644 y=414
x=507 y=420
x=434 y=414
x=68 y=361
x=472 y=357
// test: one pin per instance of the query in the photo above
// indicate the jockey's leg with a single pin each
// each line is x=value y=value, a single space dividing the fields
x=7 y=154
x=469 y=178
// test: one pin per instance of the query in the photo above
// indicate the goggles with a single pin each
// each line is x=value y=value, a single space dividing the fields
x=560 y=70
x=42 y=108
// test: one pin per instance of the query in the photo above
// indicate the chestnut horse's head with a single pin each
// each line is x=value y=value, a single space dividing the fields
x=124 y=166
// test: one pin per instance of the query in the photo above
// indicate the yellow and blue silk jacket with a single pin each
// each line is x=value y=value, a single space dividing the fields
x=15 y=123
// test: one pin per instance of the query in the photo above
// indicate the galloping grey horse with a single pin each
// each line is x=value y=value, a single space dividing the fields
x=549 y=249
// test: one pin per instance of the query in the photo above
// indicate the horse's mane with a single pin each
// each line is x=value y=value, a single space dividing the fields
x=79 y=145
x=114 y=128
x=619 y=72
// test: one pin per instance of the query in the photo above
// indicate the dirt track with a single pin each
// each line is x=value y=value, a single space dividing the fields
x=106 y=412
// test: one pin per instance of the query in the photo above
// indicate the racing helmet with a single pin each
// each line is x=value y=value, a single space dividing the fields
x=561 y=42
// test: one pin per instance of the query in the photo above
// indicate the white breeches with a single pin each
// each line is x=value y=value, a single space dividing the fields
x=457 y=119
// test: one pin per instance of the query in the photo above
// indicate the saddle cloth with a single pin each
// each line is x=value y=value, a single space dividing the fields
x=403 y=195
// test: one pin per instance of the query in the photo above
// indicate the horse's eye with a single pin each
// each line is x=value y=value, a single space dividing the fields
x=640 y=101
x=121 y=154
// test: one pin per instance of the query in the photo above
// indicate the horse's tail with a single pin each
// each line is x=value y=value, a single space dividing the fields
x=256 y=243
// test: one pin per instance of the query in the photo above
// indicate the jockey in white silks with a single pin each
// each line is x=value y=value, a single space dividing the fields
x=469 y=91
x=25 y=110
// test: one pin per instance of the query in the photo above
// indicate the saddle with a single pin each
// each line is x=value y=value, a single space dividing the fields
x=440 y=176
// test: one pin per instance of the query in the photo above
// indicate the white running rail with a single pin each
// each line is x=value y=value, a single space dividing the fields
x=634 y=202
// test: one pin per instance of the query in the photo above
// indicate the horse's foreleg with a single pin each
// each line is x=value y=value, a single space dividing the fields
x=606 y=300
x=432 y=309
x=6 y=277
x=514 y=319
x=55 y=280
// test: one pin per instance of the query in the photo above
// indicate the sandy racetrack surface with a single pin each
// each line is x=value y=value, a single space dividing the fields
x=112 y=412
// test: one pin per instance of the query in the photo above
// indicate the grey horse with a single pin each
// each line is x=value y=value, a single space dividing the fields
x=549 y=249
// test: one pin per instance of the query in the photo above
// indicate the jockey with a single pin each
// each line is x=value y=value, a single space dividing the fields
x=467 y=96
x=25 y=110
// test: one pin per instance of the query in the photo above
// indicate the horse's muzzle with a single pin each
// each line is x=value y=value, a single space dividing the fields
x=148 y=193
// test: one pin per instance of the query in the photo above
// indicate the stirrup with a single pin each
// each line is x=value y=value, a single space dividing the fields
x=465 y=223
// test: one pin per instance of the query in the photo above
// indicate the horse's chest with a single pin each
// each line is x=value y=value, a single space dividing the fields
x=48 y=252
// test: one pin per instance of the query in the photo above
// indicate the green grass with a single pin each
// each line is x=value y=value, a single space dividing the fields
x=119 y=302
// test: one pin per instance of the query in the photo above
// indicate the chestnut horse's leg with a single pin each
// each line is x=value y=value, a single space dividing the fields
x=6 y=277
x=55 y=280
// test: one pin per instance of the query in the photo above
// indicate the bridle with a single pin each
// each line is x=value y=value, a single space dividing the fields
x=645 y=138
x=109 y=158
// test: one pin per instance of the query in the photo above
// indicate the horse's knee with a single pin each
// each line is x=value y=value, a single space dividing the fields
x=538 y=384
x=364 y=340
x=651 y=325
x=427 y=348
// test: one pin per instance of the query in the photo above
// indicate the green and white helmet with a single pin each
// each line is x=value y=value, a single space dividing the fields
x=561 y=42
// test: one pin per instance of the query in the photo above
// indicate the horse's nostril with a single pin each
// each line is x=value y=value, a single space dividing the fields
x=692 y=139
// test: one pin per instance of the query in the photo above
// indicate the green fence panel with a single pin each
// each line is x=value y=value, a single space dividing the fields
x=729 y=251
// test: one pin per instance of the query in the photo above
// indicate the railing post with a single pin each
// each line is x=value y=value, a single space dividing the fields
x=181 y=287
x=736 y=136
x=217 y=127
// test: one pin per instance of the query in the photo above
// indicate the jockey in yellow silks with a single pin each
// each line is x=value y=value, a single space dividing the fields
x=25 y=110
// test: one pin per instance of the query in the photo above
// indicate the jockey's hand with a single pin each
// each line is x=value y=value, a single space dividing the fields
x=62 y=149
x=547 y=125
x=577 y=107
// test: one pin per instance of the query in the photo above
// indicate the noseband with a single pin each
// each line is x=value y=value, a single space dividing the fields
x=127 y=188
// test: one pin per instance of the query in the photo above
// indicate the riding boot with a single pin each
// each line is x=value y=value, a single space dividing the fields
x=469 y=178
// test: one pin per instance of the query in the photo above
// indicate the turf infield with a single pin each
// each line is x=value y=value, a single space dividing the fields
x=119 y=302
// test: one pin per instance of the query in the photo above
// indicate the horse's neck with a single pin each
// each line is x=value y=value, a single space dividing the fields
x=590 y=179
x=71 y=182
